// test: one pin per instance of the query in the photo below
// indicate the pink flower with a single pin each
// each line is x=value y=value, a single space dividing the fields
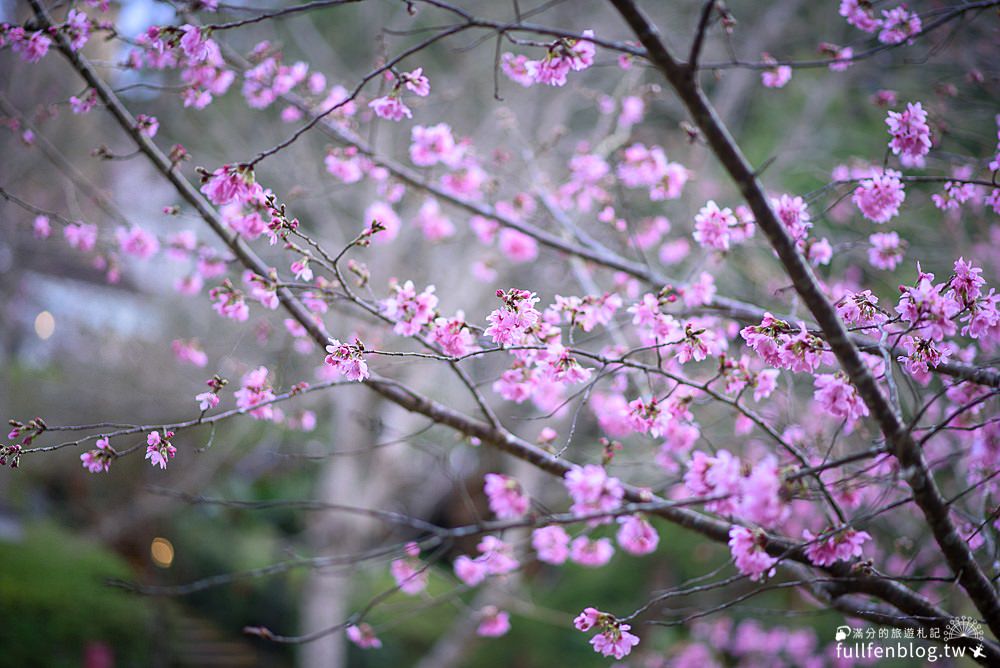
x=194 y=44
x=495 y=623
x=147 y=125
x=409 y=310
x=507 y=499
x=347 y=359
x=886 y=251
x=551 y=543
x=495 y=558
x=838 y=397
x=519 y=69
x=929 y=308
x=190 y=352
x=911 y=135
x=712 y=226
x=417 y=83
x=256 y=390
x=41 y=227
x=794 y=213
x=301 y=270
x=34 y=48
x=747 y=549
x=715 y=476
x=77 y=29
x=497 y=555
x=434 y=144
x=410 y=575
x=137 y=242
x=230 y=183
x=859 y=15
x=589 y=618
x=453 y=336
x=159 y=450
x=509 y=324
x=85 y=104
x=228 y=302
x=363 y=636
x=592 y=490
x=434 y=224
x=470 y=571
x=834 y=546
x=81 y=236
x=207 y=400
x=637 y=536
x=591 y=553
x=345 y=164
x=391 y=108
x=898 y=25
x=517 y=246
x=879 y=197
x=841 y=56
x=552 y=70
x=775 y=76
x=99 y=459
x=615 y=640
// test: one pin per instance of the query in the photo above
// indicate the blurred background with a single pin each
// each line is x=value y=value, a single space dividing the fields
x=78 y=349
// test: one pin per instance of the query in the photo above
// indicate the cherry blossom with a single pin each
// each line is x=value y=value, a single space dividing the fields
x=507 y=499
x=363 y=635
x=159 y=449
x=551 y=543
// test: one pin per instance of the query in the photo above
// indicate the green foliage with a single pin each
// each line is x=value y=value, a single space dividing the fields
x=54 y=600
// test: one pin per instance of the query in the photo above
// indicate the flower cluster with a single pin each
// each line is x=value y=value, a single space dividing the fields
x=613 y=637
x=562 y=56
x=159 y=449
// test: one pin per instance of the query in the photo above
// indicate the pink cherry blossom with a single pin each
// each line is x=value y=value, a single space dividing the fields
x=551 y=543
x=408 y=309
x=137 y=242
x=159 y=450
x=507 y=499
x=494 y=623
x=509 y=324
x=911 y=135
x=519 y=69
x=886 y=250
x=592 y=490
x=591 y=553
x=880 y=197
x=898 y=25
x=256 y=390
x=747 y=548
x=41 y=227
x=347 y=359
x=517 y=246
x=81 y=236
x=363 y=636
x=615 y=641
x=775 y=76
x=838 y=397
x=410 y=575
x=417 y=83
x=834 y=546
x=434 y=144
x=637 y=536
x=391 y=108
x=859 y=14
x=99 y=459
x=712 y=226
